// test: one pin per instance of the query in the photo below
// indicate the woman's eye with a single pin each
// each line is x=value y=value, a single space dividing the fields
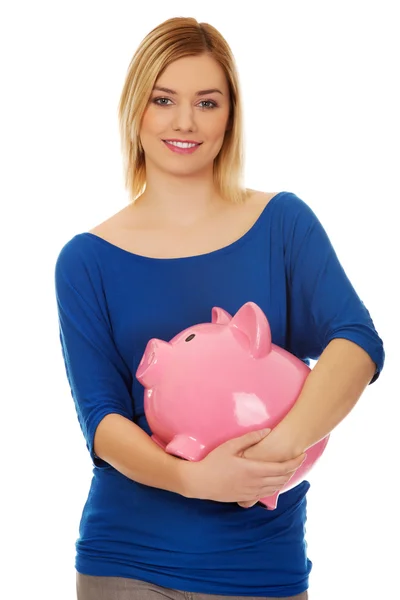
x=164 y=102
x=161 y=104
x=213 y=104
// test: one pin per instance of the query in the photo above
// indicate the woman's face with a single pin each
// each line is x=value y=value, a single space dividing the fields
x=192 y=107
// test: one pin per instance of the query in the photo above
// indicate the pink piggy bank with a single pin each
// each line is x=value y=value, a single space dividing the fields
x=216 y=381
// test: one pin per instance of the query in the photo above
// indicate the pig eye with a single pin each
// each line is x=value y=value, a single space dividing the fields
x=190 y=337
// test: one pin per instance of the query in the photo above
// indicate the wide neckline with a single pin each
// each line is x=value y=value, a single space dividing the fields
x=225 y=249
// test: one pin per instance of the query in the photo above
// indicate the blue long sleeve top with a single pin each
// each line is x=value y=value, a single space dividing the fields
x=110 y=303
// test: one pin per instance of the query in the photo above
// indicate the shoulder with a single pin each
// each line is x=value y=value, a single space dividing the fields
x=256 y=203
x=261 y=198
x=77 y=260
x=288 y=204
x=73 y=250
x=258 y=198
x=290 y=216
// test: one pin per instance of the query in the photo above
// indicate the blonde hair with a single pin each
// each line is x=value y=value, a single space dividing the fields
x=173 y=39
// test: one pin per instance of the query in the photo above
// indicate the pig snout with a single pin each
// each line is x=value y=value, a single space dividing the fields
x=154 y=362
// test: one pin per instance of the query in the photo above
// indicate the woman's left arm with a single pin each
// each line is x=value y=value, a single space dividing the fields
x=331 y=390
x=326 y=322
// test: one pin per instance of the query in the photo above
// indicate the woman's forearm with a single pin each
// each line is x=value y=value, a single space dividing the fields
x=328 y=395
x=129 y=449
x=330 y=392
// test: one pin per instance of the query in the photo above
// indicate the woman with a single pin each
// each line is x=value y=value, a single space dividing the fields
x=192 y=238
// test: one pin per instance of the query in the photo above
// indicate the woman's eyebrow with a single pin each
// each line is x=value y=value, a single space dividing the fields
x=199 y=93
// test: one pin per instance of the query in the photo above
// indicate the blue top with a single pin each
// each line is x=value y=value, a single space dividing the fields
x=110 y=303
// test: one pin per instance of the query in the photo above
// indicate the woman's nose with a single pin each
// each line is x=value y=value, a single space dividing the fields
x=184 y=119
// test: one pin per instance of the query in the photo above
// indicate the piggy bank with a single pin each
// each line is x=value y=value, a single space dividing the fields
x=216 y=381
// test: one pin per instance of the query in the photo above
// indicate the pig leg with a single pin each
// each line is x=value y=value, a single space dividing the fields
x=270 y=502
x=186 y=446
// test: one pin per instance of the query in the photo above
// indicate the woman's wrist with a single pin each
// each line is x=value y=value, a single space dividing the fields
x=188 y=479
x=276 y=447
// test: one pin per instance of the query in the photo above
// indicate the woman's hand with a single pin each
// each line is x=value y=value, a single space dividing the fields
x=225 y=475
x=270 y=450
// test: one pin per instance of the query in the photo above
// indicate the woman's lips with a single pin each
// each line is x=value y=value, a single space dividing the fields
x=180 y=150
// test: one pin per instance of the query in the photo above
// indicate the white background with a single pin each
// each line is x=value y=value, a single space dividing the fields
x=322 y=120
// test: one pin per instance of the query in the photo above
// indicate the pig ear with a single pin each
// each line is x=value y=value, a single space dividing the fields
x=251 y=321
x=220 y=316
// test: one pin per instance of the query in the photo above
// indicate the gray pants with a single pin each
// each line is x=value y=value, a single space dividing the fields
x=89 y=587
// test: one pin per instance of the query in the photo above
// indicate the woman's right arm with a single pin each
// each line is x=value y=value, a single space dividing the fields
x=224 y=475
x=124 y=445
